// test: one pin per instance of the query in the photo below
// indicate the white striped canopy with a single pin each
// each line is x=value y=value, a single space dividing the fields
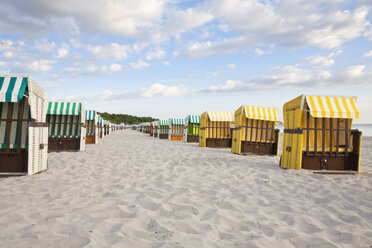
x=12 y=88
x=177 y=121
x=193 y=118
x=261 y=113
x=164 y=122
x=332 y=106
x=99 y=118
x=220 y=116
x=64 y=108
x=90 y=115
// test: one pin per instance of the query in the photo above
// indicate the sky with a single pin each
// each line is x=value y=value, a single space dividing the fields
x=171 y=58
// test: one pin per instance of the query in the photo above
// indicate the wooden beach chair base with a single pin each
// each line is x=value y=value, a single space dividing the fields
x=261 y=148
x=163 y=136
x=155 y=135
x=90 y=139
x=330 y=162
x=218 y=143
x=176 y=137
x=66 y=144
x=192 y=139
x=14 y=162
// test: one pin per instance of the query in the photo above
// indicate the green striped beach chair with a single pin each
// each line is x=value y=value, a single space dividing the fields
x=101 y=132
x=163 y=129
x=23 y=130
x=66 y=126
x=191 y=128
x=176 y=126
x=91 y=124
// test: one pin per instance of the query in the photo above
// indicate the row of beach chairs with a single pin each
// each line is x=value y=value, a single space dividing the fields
x=317 y=133
x=30 y=126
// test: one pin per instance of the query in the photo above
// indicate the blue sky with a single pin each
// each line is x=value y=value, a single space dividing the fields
x=169 y=58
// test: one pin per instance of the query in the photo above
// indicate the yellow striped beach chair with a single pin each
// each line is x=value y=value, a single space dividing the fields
x=318 y=134
x=215 y=129
x=254 y=131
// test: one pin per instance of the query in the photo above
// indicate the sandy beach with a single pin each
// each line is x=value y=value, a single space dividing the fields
x=132 y=190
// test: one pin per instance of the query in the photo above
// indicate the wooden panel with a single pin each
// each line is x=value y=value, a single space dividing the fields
x=14 y=162
x=70 y=144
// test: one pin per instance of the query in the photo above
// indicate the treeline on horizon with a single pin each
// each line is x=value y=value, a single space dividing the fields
x=123 y=118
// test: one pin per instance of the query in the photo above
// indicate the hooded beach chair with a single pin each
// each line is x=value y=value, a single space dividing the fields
x=101 y=130
x=23 y=130
x=215 y=129
x=152 y=129
x=254 y=131
x=176 y=126
x=191 y=129
x=91 y=125
x=156 y=129
x=318 y=134
x=66 y=126
x=163 y=129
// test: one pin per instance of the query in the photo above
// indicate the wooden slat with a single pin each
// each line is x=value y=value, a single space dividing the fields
x=20 y=123
x=337 y=136
x=346 y=137
x=331 y=136
x=8 y=127
x=323 y=136
x=316 y=136
x=307 y=133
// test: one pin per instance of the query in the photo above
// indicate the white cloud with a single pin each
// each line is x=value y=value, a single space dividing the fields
x=112 y=50
x=157 y=54
x=367 y=54
x=41 y=65
x=336 y=53
x=355 y=71
x=92 y=69
x=232 y=66
x=166 y=63
x=137 y=47
x=3 y=64
x=158 y=89
x=228 y=45
x=230 y=85
x=259 y=52
x=139 y=65
x=288 y=24
x=290 y=75
x=320 y=61
x=8 y=54
x=368 y=34
x=116 y=67
x=45 y=46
